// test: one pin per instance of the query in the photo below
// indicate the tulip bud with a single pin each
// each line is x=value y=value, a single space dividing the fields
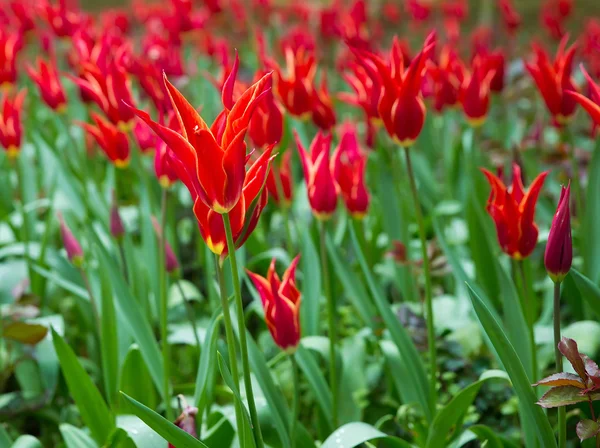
x=281 y=301
x=117 y=229
x=72 y=246
x=559 y=249
x=187 y=421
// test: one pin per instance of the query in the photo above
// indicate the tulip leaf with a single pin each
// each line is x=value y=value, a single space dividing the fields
x=486 y=435
x=311 y=290
x=26 y=441
x=357 y=433
x=590 y=292
x=207 y=359
x=591 y=242
x=518 y=376
x=92 y=407
x=417 y=378
x=24 y=332
x=75 y=437
x=167 y=430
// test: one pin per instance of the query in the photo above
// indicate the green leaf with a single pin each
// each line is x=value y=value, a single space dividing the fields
x=354 y=434
x=138 y=324
x=486 y=435
x=451 y=414
x=62 y=282
x=75 y=437
x=353 y=287
x=515 y=370
x=311 y=287
x=399 y=371
x=142 y=435
x=588 y=289
x=591 y=241
x=416 y=378
x=246 y=430
x=316 y=381
x=208 y=358
x=562 y=396
x=92 y=407
x=26 y=441
x=136 y=380
x=170 y=432
x=586 y=429
x=24 y=332
x=109 y=342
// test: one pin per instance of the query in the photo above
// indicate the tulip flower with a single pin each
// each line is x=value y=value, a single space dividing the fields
x=24 y=16
x=592 y=104
x=559 y=248
x=48 y=81
x=111 y=91
x=320 y=185
x=281 y=174
x=111 y=140
x=63 y=21
x=187 y=421
x=70 y=243
x=11 y=44
x=494 y=61
x=475 y=93
x=447 y=78
x=220 y=183
x=266 y=124
x=367 y=89
x=553 y=79
x=163 y=168
x=10 y=123
x=323 y=115
x=145 y=137
x=510 y=17
x=401 y=105
x=294 y=87
x=349 y=165
x=281 y=301
x=513 y=210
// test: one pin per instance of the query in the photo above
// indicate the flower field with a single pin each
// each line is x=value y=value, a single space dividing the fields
x=278 y=224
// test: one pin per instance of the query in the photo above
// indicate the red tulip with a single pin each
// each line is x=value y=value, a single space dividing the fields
x=401 y=105
x=281 y=301
x=513 y=210
x=111 y=140
x=553 y=79
x=11 y=44
x=367 y=89
x=494 y=61
x=475 y=92
x=559 y=249
x=281 y=173
x=447 y=78
x=219 y=183
x=510 y=16
x=63 y=21
x=266 y=125
x=10 y=123
x=349 y=166
x=70 y=243
x=145 y=138
x=24 y=16
x=420 y=10
x=320 y=185
x=48 y=81
x=111 y=91
x=163 y=166
x=591 y=104
x=294 y=88
x=323 y=115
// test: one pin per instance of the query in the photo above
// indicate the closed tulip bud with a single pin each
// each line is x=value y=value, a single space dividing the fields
x=117 y=230
x=559 y=249
x=281 y=301
x=72 y=246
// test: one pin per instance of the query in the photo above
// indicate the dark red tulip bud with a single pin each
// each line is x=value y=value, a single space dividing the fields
x=559 y=249
x=72 y=246
x=117 y=229
x=187 y=421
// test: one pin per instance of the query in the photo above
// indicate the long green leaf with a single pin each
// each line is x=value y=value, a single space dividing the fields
x=516 y=371
x=208 y=357
x=109 y=342
x=138 y=324
x=588 y=289
x=26 y=441
x=92 y=407
x=311 y=290
x=486 y=435
x=170 y=432
x=417 y=378
x=356 y=433
x=75 y=437
x=591 y=242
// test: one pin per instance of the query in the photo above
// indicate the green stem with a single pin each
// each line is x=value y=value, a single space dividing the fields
x=242 y=332
x=296 y=400
x=123 y=261
x=25 y=217
x=331 y=320
x=428 y=289
x=93 y=302
x=562 y=429
x=529 y=312
x=190 y=314
x=231 y=344
x=162 y=273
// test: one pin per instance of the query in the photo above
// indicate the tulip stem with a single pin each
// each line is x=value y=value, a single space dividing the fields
x=242 y=332
x=295 y=401
x=562 y=430
x=331 y=320
x=231 y=345
x=164 y=309
x=428 y=289
x=123 y=261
